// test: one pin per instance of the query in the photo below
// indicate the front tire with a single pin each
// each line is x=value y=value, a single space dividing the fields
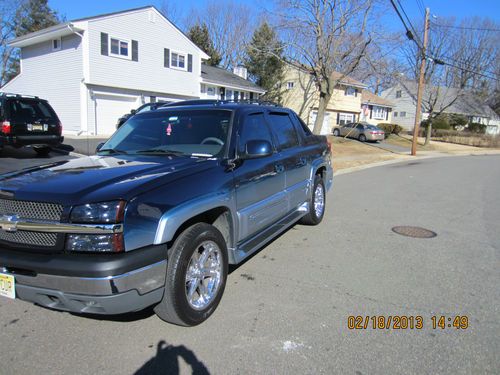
x=196 y=276
x=316 y=204
x=336 y=133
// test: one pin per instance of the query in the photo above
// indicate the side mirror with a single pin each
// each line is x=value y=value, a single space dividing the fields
x=257 y=149
x=133 y=111
x=99 y=146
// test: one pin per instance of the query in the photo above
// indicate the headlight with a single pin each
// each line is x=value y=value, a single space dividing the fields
x=102 y=213
x=100 y=243
x=97 y=213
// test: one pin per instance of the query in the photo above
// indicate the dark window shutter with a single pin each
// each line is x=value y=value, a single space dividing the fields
x=135 y=50
x=190 y=63
x=356 y=93
x=371 y=110
x=387 y=115
x=338 y=118
x=104 y=44
x=345 y=91
x=251 y=96
x=166 y=58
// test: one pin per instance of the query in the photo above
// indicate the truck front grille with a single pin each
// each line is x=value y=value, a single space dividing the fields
x=29 y=238
x=31 y=210
x=27 y=210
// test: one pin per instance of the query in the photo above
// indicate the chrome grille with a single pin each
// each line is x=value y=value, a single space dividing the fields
x=31 y=210
x=29 y=238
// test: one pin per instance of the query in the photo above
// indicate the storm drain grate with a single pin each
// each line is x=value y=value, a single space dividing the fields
x=415 y=232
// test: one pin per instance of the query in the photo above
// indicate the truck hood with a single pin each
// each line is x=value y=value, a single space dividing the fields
x=98 y=178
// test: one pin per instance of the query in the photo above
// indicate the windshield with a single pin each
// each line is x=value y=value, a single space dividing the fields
x=180 y=132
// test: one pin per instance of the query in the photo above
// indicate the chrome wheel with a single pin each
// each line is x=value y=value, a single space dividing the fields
x=319 y=200
x=204 y=275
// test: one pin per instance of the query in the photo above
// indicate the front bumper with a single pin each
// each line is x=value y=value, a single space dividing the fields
x=85 y=283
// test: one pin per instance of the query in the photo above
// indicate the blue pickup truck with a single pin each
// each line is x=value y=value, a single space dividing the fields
x=155 y=217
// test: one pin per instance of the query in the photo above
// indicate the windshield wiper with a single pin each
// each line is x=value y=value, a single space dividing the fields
x=160 y=151
x=112 y=151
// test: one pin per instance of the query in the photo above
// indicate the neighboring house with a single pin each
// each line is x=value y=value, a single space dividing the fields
x=94 y=70
x=301 y=95
x=219 y=83
x=451 y=100
x=374 y=109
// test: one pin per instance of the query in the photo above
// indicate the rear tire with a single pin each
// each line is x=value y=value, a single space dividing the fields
x=196 y=276
x=362 y=138
x=317 y=203
x=42 y=151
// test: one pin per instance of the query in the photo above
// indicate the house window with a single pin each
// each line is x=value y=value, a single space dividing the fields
x=56 y=44
x=178 y=60
x=203 y=88
x=345 y=118
x=210 y=91
x=350 y=91
x=152 y=99
x=119 y=48
x=395 y=114
x=402 y=114
x=229 y=94
x=289 y=85
x=379 y=113
x=398 y=94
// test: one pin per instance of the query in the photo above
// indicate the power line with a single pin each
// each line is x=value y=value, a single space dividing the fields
x=442 y=62
x=466 y=28
x=409 y=34
x=463 y=62
x=421 y=6
x=411 y=25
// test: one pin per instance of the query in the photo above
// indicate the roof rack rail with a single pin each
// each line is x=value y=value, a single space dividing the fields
x=220 y=102
x=12 y=95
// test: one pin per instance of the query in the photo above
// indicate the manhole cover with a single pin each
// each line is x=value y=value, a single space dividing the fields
x=415 y=232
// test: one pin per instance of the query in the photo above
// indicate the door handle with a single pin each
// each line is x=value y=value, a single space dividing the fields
x=279 y=168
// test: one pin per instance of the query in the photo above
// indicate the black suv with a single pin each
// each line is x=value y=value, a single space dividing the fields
x=28 y=121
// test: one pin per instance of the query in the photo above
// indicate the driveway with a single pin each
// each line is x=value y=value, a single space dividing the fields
x=12 y=159
x=286 y=310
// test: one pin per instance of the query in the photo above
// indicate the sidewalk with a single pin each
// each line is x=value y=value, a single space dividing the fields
x=84 y=145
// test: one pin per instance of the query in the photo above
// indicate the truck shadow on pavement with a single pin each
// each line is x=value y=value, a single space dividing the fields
x=166 y=361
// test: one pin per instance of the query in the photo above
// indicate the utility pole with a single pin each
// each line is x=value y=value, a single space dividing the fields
x=420 y=84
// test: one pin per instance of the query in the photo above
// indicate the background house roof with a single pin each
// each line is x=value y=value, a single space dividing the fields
x=216 y=75
x=348 y=81
x=368 y=97
x=466 y=103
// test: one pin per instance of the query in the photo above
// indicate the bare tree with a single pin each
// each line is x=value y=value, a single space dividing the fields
x=7 y=32
x=230 y=26
x=324 y=37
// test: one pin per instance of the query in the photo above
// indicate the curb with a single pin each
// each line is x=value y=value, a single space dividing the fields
x=409 y=157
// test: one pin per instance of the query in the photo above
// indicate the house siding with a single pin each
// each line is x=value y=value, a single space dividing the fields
x=55 y=76
x=403 y=104
x=304 y=99
x=148 y=73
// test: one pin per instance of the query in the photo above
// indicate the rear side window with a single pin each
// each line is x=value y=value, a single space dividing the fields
x=253 y=128
x=283 y=130
x=26 y=110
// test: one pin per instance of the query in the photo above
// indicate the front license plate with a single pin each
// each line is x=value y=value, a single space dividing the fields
x=7 y=286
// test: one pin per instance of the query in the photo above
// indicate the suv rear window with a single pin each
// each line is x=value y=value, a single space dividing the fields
x=29 y=110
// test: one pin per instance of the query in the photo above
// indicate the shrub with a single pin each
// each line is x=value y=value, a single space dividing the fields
x=456 y=120
x=438 y=122
x=390 y=128
x=477 y=128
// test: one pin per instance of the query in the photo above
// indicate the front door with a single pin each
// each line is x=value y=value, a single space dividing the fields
x=259 y=183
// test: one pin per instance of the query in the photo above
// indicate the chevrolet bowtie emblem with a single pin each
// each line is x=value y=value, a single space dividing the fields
x=8 y=223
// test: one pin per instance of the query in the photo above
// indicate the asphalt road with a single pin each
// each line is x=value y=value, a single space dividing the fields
x=12 y=159
x=286 y=309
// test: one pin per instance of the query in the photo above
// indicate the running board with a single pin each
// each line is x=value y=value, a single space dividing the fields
x=250 y=246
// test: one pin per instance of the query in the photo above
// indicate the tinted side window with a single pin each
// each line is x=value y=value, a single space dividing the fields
x=253 y=128
x=306 y=129
x=360 y=127
x=283 y=130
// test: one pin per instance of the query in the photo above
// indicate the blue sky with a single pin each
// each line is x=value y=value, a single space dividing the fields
x=443 y=8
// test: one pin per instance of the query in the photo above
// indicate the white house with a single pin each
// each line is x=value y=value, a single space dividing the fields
x=95 y=69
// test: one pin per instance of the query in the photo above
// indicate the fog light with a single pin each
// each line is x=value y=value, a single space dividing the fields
x=102 y=243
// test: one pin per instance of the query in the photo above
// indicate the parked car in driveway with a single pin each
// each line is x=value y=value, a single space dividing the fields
x=143 y=108
x=28 y=121
x=154 y=219
x=361 y=131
